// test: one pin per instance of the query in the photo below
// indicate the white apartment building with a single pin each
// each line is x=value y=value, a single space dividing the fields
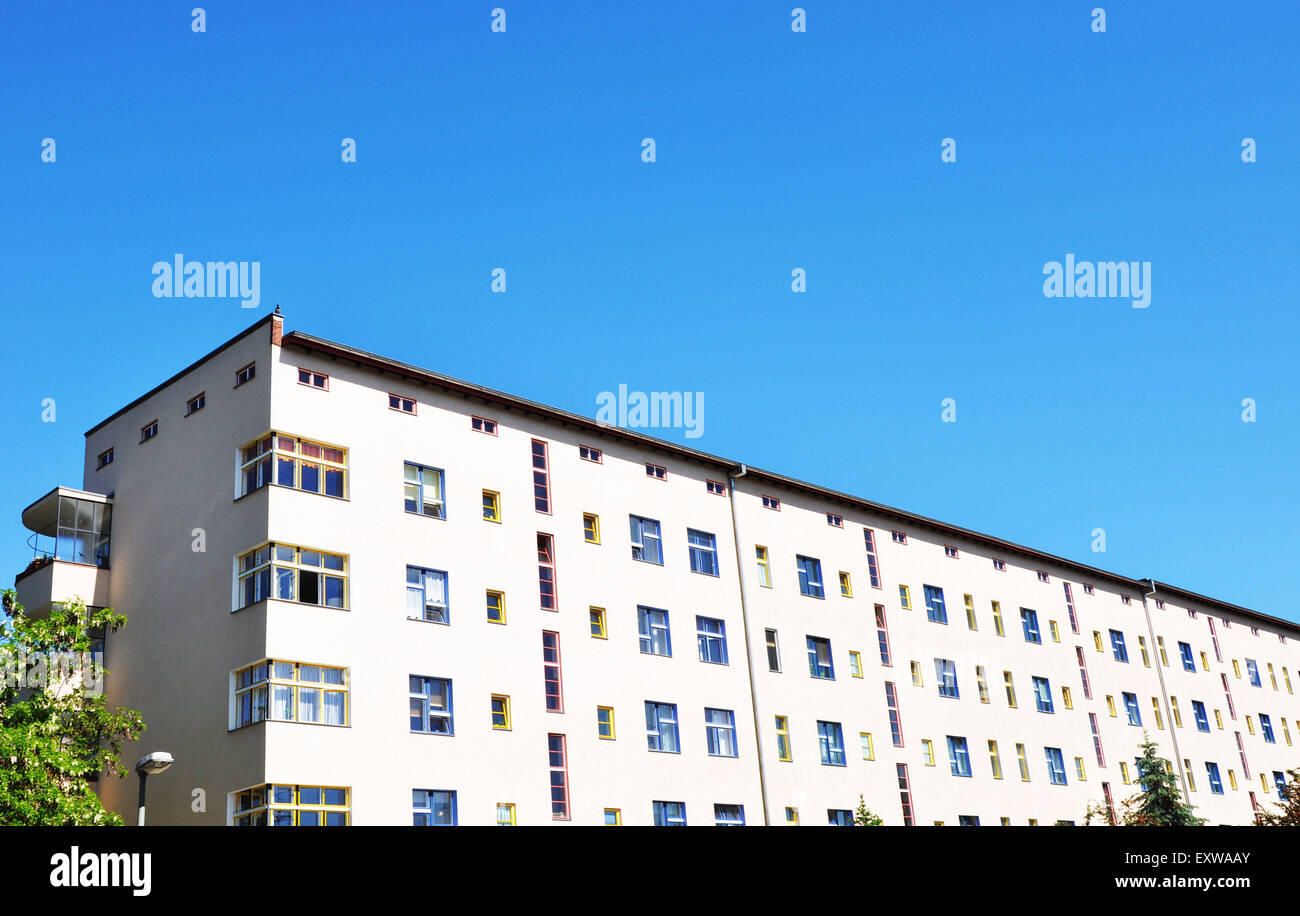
x=360 y=592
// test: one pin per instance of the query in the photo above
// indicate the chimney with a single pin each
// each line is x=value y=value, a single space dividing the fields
x=277 y=327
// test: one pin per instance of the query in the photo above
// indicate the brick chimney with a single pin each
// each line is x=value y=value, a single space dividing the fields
x=277 y=327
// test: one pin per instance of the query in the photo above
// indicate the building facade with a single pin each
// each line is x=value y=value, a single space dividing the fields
x=361 y=592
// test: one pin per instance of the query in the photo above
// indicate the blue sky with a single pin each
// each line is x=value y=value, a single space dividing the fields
x=775 y=150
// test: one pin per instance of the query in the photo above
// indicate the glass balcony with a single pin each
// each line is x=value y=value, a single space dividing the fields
x=69 y=525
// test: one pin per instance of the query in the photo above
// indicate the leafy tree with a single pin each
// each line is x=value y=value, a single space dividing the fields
x=863 y=817
x=1097 y=813
x=1288 y=810
x=55 y=732
x=1160 y=804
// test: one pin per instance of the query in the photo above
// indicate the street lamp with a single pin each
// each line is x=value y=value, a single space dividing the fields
x=148 y=765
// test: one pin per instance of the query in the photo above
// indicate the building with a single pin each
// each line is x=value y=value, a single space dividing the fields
x=361 y=592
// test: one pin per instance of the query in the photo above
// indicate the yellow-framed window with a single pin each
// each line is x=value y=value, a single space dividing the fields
x=783 y=751
x=1218 y=719
x=1250 y=724
x=995 y=760
x=970 y=612
x=1191 y=775
x=496 y=606
x=501 y=711
x=1123 y=773
x=1286 y=732
x=792 y=816
x=1010 y=684
x=290 y=461
x=1164 y=657
x=613 y=817
x=855 y=663
x=1175 y=712
x=1066 y=699
x=1096 y=640
x=764 y=567
x=1232 y=779
x=1142 y=644
x=1032 y=822
x=997 y=618
x=846 y=584
x=1056 y=631
x=491 y=506
x=1286 y=678
x=1079 y=770
x=1110 y=705
x=505 y=814
x=591 y=528
x=1155 y=706
x=286 y=572
x=1271 y=676
x=605 y=722
x=1236 y=668
x=596 y=615
x=1263 y=782
x=917 y=680
x=292 y=806
x=1205 y=662
x=291 y=692
x=1023 y=761
x=905 y=597
x=868 y=746
x=927 y=751
x=981 y=684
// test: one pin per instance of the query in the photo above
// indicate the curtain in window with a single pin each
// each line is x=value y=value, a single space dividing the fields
x=334 y=707
x=308 y=704
x=281 y=701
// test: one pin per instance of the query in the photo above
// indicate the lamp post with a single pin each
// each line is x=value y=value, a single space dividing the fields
x=148 y=765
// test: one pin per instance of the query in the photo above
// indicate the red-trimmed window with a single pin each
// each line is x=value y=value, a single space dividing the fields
x=1110 y=803
x=314 y=379
x=1241 y=749
x=895 y=716
x=716 y=488
x=905 y=795
x=1087 y=589
x=1160 y=605
x=657 y=471
x=899 y=537
x=483 y=425
x=546 y=572
x=591 y=453
x=873 y=565
x=771 y=502
x=1214 y=638
x=1227 y=692
x=1069 y=606
x=402 y=404
x=559 y=763
x=999 y=565
x=882 y=634
x=1083 y=673
x=1096 y=739
x=541 y=477
x=835 y=521
x=1126 y=599
x=950 y=551
x=1043 y=577
x=551 y=671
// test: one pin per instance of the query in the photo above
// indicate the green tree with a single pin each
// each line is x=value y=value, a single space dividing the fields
x=1160 y=803
x=863 y=817
x=1288 y=810
x=55 y=732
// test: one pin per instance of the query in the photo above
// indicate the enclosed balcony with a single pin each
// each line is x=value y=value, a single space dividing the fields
x=70 y=549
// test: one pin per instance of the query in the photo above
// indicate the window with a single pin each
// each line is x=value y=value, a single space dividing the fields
x=1126 y=599
x=501 y=711
x=313 y=379
x=819 y=658
x=927 y=752
x=541 y=477
x=950 y=551
x=771 y=502
x=1069 y=606
x=1096 y=638
x=597 y=619
x=1174 y=711
x=764 y=568
x=783 y=739
x=196 y=403
x=835 y=521
x=496 y=606
x=895 y=716
x=1123 y=772
x=426 y=595
x=669 y=814
x=288 y=461
x=245 y=374
x=1055 y=766
x=830 y=738
x=483 y=425
x=551 y=673
x=1131 y=706
x=720 y=732
x=1202 y=720
x=652 y=627
x=546 y=593
x=905 y=794
x=899 y=537
x=1043 y=694
x=658 y=472
x=999 y=565
x=1266 y=728
x=431 y=709
x=1079 y=770
x=945 y=673
x=1205 y=662
x=613 y=817
x=958 y=756
x=810 y=576
x=1155 y=705
x=505 y=814
x=646 y=545
x=1164 y=657
x=1029 y=622
x=661 y=727
x=1212 y=772
x=873 y=564
x=605 y=722
x=1272 y=676
x=882 y=635
x=715 y=487
x=1185 y=652
x=981 y=684
x=1191 y=777
x=916 y=675
x=291 y=806
x=590 y=528
x=1252 y=672
x=559 y=763
x=288 y=573
x=846 y=585
x=422 y=488
x=773 y=652
x=491 y=506
x=1096 y=739
x=1087 y=589
x=291 y=692
x=712 y=637
x=703 y=549
x=433 y=808
x=935 y=611
x=997 y=618
x=105 y=458
x=995 y=760
x=149 y=431
x=401 y=404
x=1110 y=704
x=1056 y=632
x=729 y=815
x=868 y=746
x=1011 y=689
x=1043 y=577
x=904 y=598
x=855 y=663
x=1117 y=646
x=591 y=453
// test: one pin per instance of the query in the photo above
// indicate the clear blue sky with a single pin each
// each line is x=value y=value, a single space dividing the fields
x=775 y=151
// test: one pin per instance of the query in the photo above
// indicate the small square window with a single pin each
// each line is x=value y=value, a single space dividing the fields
x=899 y=537
x=105 y=458
x=313 y=379
x=950 y=551
x=1087 y=589
x=589 y=453
x=1126 y=599
x=1160 y=604
x=149 y=431
x=1043 y=577
x=1000 y=565
x=716 y=488
x=245 y=374
x=196 y=403
x=491 y=506
x=658 y=472
x=483 y=425
x=399 y=403
x=771 y=502
x=835 y=521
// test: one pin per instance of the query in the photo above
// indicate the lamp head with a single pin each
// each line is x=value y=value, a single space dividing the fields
x=152 y=764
